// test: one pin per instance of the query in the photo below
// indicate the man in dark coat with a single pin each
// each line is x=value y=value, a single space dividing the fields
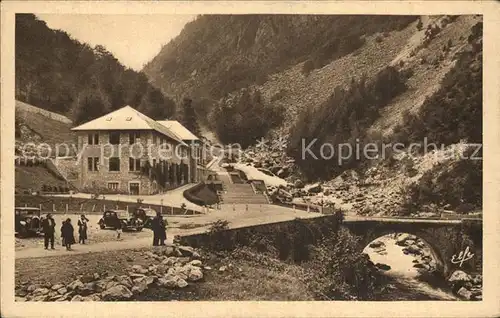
x=162 y=230
x=155 y=226
x=48 y=225
x=82 y=229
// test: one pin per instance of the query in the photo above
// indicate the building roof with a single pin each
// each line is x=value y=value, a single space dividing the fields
x=127 y=118
x=178 y=129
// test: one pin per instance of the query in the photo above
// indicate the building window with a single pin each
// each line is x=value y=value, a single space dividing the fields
x=93 y=163
x=114 y=138
x=154 y=138
x=113 y=185
x=93 y=139
x=134 y=137
x=134 y=164
x=114 y=164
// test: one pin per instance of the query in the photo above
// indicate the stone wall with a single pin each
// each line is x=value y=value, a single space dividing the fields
x=289 y=238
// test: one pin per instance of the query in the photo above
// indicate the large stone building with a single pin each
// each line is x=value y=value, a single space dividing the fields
x=127 y=152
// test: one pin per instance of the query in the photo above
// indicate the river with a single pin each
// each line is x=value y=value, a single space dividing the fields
x=405 y=281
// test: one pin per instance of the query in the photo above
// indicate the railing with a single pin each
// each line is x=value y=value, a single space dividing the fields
x=302 y=206
x=91 y=206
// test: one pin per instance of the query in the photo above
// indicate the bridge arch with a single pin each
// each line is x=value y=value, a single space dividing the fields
x=445 y=238
x=440 y=260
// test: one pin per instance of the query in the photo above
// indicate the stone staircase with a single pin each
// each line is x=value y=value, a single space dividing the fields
x=240 y=193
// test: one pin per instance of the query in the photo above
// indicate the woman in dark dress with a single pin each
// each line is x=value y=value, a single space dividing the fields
x=67 y=233
x=62 y=236
x=82 y=229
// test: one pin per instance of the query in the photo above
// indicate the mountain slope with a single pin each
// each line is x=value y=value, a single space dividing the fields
x=296 y=66
x=398 y=85
x=217 y=54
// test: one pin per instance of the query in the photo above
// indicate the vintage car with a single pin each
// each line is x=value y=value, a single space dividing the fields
x=146 y=215
x=27 y=221
x=129 y=222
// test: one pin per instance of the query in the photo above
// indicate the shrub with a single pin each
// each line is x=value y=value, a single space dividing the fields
x=407 y=73
x=279 y=95
x=339 y=270
x=201 y=194
x=307 y=67
x=244 y=117
x=434 y=187
x=420 y=24
x=345 y=116
x=410 y=203
x=460 y=96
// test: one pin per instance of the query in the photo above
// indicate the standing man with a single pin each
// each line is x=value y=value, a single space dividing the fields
x=82 y=229
x=155 y=226
x=48 y=225
x=162 y=229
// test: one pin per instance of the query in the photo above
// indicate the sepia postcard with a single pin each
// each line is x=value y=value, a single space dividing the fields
x=229 y=159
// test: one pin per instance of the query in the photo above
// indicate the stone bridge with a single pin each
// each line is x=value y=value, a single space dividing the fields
x=446 y=238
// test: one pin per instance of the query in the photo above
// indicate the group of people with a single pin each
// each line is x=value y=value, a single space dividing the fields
x=67 y=231
x=158 y=226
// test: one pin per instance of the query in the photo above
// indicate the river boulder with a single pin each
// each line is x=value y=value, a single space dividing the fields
x=401 y=239
x=195 y=274
x=118 y=292
x=186 y=250
x=465 y=293
x=376 y=244
x=459 y=276
x=299 y=184
x=383 y=267
x=75 y=285
x=413 y=249
x=313 y=188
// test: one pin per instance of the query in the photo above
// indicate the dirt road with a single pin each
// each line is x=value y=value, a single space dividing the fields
x=105 y=240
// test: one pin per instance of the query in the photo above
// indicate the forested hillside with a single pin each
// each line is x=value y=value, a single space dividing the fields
x=217 y=54
x=342 y=81
x=60 y=74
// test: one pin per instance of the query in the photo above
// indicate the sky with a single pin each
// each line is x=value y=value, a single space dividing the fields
x=133 y=39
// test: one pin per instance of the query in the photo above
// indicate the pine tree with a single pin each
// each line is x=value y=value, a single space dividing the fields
x=419 y=24
x=90 y=104
x=188 y=118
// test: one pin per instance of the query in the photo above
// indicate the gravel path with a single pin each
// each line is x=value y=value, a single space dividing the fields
x=105 y=240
